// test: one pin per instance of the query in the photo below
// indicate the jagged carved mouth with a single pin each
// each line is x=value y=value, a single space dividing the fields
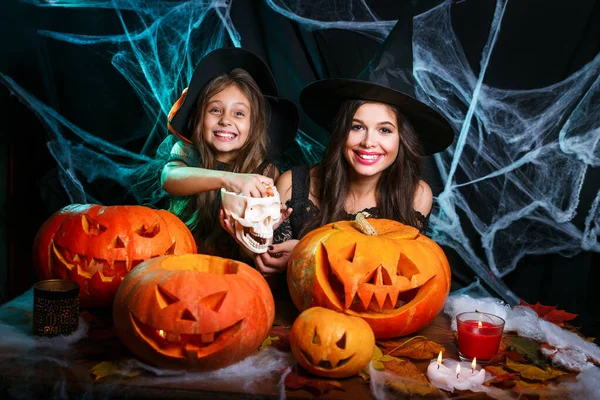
x=379 y=291
x=254 y=240
x=326 y=364
x=189 y=346
x=88 y=267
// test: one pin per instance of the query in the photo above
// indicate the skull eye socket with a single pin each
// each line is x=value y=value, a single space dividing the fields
x=274 y=211
x=256 y=213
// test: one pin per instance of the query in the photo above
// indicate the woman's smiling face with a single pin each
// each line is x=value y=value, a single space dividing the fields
x=226 y=124
x=373 y=141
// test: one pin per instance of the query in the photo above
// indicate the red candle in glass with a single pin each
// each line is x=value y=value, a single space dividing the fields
x=479 y=335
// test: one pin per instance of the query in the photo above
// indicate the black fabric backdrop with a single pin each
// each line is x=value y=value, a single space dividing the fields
x=542 y=42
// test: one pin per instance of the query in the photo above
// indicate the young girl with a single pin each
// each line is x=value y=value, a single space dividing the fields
x=222 y=121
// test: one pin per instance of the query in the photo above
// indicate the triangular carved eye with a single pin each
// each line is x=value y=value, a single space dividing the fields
x=171 y=250
x=214 y=301
x=342 y=342
x=188 y=316
x=165 y=298
x=316 y=338
x=148 y=231
x=348 y=252
x=406 y=267
x=119 y=243
x=90 y=226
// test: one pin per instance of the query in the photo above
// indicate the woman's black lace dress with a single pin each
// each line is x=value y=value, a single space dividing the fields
x=305 y=209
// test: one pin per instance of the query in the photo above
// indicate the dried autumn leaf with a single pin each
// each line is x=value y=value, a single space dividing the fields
x=500 y=376
x=268 y=341
x=416 y=348
x=539 y=390
x=297 y=380
x=378 y=359
x=408 y=380
x=107 y=368
x=550 y=313
x=526 y=347
x=534 y=373
x=279 y=338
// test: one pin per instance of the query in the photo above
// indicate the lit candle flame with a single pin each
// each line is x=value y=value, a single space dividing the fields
x=479 y=325
x=457 y=370
x=439 y=360
x=473 y=364
x=162 y=333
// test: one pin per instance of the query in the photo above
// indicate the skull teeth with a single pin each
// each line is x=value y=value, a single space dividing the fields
x=256 y=241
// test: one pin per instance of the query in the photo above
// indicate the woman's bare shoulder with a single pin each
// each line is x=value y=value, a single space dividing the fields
x=423 y=200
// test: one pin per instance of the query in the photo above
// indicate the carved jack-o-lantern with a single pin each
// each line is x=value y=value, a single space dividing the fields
x=253 y=218
x=381 y=270
x=194 y=311
x=331 y=344
x=96 y=246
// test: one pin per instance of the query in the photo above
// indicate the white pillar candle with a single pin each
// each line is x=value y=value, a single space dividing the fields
x=448 y=374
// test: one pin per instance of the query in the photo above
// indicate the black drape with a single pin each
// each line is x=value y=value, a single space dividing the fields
x=542 y=42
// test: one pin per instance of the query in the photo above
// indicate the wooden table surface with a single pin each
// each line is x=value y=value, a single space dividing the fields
x=44 y=373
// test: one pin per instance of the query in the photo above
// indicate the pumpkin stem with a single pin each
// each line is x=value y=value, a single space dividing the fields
x=363 y=225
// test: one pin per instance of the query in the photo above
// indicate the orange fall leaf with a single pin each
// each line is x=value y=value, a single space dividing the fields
x=316 y=386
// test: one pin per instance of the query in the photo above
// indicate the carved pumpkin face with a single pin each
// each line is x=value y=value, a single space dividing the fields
x=194 y=311
x=397 y=280
x=331 y=344
x=96 y=246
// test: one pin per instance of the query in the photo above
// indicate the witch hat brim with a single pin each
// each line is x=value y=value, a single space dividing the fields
x=386 y=79
x=283 y=114
x=322 y=99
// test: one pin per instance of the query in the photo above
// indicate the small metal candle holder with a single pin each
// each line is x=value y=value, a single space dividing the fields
x=55 y=307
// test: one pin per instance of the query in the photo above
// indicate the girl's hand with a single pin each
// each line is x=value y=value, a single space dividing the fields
x=254 y=185
x=275 y=260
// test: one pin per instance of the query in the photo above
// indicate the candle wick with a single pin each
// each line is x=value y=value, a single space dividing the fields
x=457 y=375
x=438 y=366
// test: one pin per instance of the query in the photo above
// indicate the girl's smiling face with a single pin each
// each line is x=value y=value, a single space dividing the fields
x=373 y=141
x=226 y=122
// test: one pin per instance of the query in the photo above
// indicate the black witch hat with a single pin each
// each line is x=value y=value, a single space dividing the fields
x=283 y=114
x=387 y=79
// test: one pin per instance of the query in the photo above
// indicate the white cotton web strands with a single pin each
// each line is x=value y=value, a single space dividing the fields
x=26 y=353
x=572 y=351
x=249 y=374
x=513 y=176
x=522 y=169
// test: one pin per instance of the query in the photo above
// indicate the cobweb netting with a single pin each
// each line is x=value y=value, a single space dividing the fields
x=513 y=176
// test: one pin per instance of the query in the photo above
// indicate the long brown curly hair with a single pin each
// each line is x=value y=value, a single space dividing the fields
x=396 y=186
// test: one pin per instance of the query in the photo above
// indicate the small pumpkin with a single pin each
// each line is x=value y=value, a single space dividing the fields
x=331 y=344
x=96 y=246
x=193 y=312
x=380 y=270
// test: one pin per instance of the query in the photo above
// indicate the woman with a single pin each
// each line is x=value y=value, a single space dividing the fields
x=222 y=121
x=372 y=164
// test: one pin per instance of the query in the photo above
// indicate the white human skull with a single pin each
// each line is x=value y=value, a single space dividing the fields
x=252 y=218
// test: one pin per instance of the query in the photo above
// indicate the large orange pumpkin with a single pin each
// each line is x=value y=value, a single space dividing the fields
x=381 y=270
x=193 y=312
x=331 y=344
x=96 y=246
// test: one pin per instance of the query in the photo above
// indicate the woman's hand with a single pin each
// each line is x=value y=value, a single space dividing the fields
x=254 y=185
x=275 y=260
